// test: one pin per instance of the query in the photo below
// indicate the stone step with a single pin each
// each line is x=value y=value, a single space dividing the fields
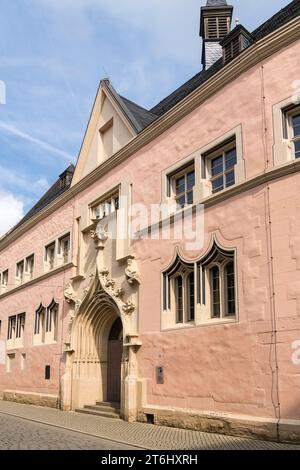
x=105 y=409
x=110 y=404
x=98 y=413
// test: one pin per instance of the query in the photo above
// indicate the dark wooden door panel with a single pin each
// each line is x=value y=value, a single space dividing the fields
x=114 y=370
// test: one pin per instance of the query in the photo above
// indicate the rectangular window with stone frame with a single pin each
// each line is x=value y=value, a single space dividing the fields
x=218 y=166
x=15 y=332
x=4 y=279
x=64 y=243
x=291 y=118
x=50 y=256
x=181 y=186
x=106 y=206
x=29 y=266
x=20 y=272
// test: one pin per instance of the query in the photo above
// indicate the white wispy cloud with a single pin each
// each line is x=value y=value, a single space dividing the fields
x=11 y=129
x=9 y=177
x=11 y=211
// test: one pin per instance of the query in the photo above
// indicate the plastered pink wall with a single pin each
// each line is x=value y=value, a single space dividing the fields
x=222 y=367
x=28 y=299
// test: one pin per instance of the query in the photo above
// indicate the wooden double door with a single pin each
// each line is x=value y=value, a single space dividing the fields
x=114 y=358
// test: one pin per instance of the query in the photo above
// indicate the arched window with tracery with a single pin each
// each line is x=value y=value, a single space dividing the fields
x=202 y=291
x=218 y=282
x=45 y=325
x=179 y=291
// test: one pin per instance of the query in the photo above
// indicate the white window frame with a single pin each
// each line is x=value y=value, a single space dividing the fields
x=15 y=334
x=202 y=289
x=20 y=272
x=105 y=206
x=223 y=291
x=49 y=262
x=221 y=151
x=29 y=273
x=62 y=256
x=170 y=312
x=4 y=286
x=290 y=129
x=185 y=296
x=202 y=189
x=46 y=324
x=183 y=172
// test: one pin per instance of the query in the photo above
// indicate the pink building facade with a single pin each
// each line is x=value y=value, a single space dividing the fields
x=197 y=328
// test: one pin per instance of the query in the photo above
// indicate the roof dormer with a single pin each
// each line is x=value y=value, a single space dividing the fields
x=236 y=42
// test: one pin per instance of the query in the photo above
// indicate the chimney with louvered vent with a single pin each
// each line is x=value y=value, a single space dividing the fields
x=216 y=19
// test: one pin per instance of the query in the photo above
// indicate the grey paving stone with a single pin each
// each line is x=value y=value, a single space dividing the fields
x=18 y=419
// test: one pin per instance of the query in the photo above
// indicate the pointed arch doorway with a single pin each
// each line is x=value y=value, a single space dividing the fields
x=97 y=342
x=114 y=362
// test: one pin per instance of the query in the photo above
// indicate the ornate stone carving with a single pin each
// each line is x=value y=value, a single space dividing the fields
x=99 y=235
x=119 y=293
x=132 y=273
x=104 y=272
x=128 y=308
x=69 y=294
x=101 y=232
x=110 y=283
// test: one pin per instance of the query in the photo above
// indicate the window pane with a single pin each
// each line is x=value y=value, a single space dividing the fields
x=217 y=184
x=179 y=299
x=230 y=178
x=230 y=159
x=180 y=185
x=230 y=289
x=190 y=180
x=180 y=202
x=297 y=149
x=191 y=297
x=215 y=292
x=217 y=166
x=296 y=125
x=189 y=197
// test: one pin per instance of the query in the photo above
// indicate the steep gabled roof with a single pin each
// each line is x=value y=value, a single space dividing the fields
x=139 y=117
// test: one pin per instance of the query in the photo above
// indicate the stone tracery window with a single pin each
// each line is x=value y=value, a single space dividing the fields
x=45 y=326
x=179 y=294
x=200 y=292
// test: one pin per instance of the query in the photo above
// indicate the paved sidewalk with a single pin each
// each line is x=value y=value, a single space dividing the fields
x=144 y=436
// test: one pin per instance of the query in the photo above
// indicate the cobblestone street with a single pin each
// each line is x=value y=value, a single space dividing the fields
x=31 y=427
x=20 y=434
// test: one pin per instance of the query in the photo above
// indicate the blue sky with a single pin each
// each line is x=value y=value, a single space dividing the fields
x=53 y=54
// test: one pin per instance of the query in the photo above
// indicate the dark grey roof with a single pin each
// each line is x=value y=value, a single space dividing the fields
x=139 y=117
x=285 y=15
x=239 y=29
x=54 y=192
